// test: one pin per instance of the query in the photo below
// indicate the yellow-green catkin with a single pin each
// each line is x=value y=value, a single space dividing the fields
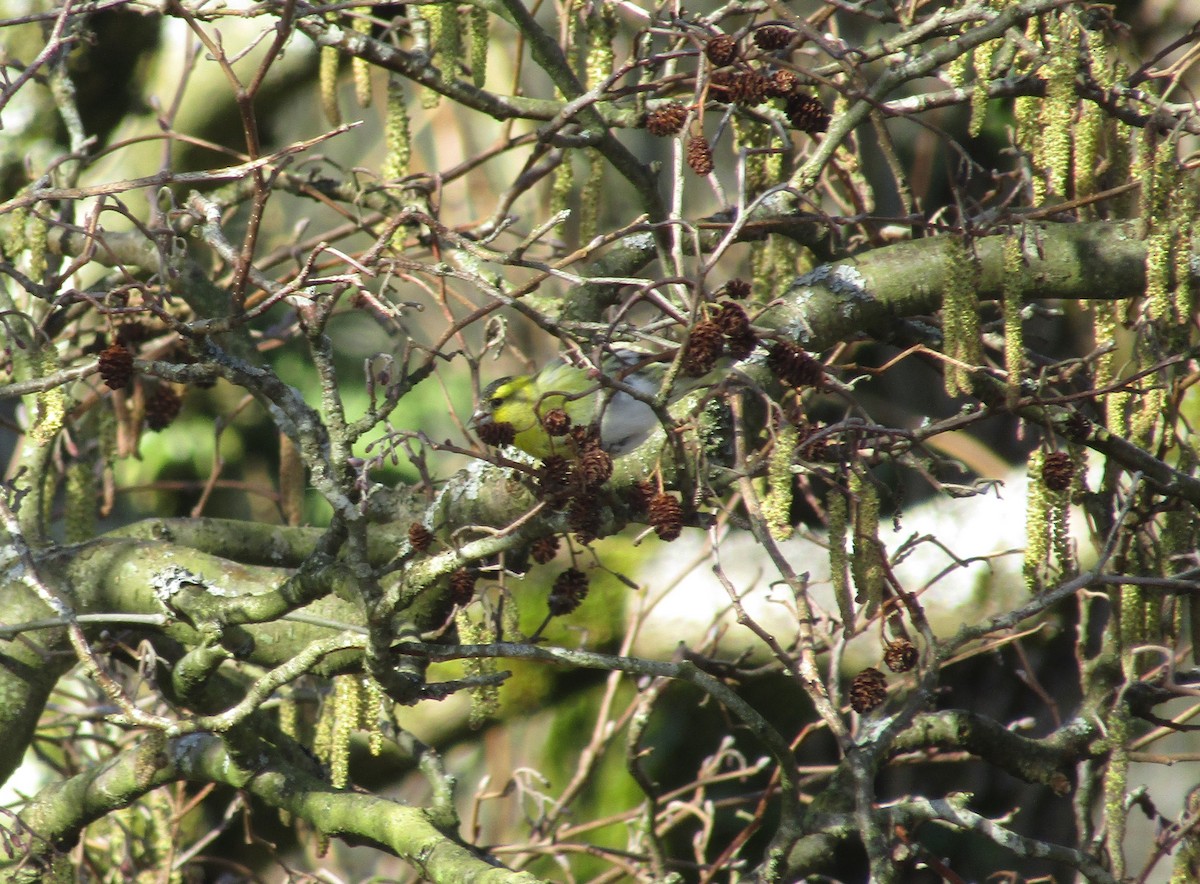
x=327 y=83
x=12 y=232
x=49 y=406
x=1145 y=420
x=956 y=69
x=1160 y=166
x=866 y=567
x=37 y=233
x=982 y=64
x=1026 y=130
x=345 y=709
x=1060 y=532
x=561 y=185
x=752 y=136
x=445 y=42
x=1013 y=299
x=589 y=197
x=777 y=505
x=601 y=28
x=1115 y=783
x=289 y=716
x=396 y=132
x=836 y=512
x=1058 y=108
x=1088 y=129
x=358 y=66
x=79 y=501
x=323 y=735
x=1183 y=206
x=960 y=317
x=375 y=711
x=1037 y=522
x=289 y=724
x=1186 y=869
x=485 y=699
x=1104 y=332
x=774 y=263
x=477 y=39
x=1091 y=122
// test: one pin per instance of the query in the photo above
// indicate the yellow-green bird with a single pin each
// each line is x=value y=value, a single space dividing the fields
x=523 y=401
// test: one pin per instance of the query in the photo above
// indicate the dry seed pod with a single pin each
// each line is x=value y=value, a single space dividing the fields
x=792 y=365
x=699 y=156
x=419 y=536
x=665 y=516
x=555 y=477
x=750 y=88
x=162 y=408
x=721 y=50
x=737 y=289
x=544 y=549
x=583 y=518
x=704 y=346
x=732 y=320
x=1078 y=428
x=900 y=655
x=770 y=37
x=639 y=495
x=868 y=690
x=496 y=434
x=556 y=422
x=595 y=466
x=783 y=84
x=569 y=590
x=462 y=586
x=1057 y=471
x=116 y=367
x=666 y=120
x=806 y=113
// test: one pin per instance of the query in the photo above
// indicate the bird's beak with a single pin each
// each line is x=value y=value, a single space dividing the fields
x=478 y=419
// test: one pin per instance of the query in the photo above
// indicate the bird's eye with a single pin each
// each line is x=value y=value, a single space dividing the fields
x=496 y=401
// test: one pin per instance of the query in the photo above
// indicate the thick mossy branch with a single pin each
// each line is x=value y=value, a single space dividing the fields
x=55 y=818
x=1049 y=761
x=868 y=294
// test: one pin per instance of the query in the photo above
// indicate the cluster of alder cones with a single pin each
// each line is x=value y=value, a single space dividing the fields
x=868 y=690
x=736 y=80
x=116 y=368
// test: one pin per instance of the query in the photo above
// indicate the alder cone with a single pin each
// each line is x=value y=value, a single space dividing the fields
x=868 y=690
x=419 y=536
x=792 y=365
x=462 y=586
x=666 y=120
x=665 y=516
x=116 y=366
x=1057 y=471
x=721 y=50
x=901 y=655
x=569 y=590
x=595 y=467
x=773 y=37
x=699 y=156
x=783 y=84
x=806 y=113
x=750 y=88
x=737 y=289
x=496 y=434
x=162 y=408
x=704 y=346
x=544 y=549
x=556 y=422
